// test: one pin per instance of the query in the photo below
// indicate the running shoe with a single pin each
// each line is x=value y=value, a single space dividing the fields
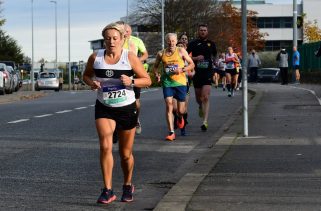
x=128 y=191
x=204 y=127
x=229 y=94
x=106 y=196
x=138 y=128
x=200 y=112
x=180 y=123
x=183 y=132
x=223 y=89
x=170 y=137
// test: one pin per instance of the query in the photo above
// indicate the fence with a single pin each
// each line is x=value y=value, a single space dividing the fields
x=308 y=61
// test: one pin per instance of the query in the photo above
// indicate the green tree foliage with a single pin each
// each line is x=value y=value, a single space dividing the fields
x=9 y=49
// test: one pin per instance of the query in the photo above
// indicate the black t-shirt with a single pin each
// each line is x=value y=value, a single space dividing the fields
x=207 y=48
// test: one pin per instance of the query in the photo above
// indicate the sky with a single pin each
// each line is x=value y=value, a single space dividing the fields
x=87 y=19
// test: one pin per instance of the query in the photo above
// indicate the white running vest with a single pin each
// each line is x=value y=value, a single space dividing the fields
x=112 y=92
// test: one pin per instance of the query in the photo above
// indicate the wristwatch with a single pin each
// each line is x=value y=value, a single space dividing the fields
x=133 y=83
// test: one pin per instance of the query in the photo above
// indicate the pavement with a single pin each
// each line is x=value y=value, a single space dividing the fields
x=21 y=95
x=277 y=167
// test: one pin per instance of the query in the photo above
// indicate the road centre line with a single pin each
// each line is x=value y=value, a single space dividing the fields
x=79 y=108
x=44 y=115
x=17 y=121
x=64 y=111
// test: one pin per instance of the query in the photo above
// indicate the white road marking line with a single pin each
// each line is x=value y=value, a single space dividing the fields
x=44 y=115
x=79 y=108
x=311 y=91
x=149 y=90
x=92 y=105
x=64 y=111
x=17 y=121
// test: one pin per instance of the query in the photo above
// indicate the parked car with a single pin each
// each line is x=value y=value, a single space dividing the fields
x=7 y=79
x=47 y=81
x=15 y=78
x=268 y=74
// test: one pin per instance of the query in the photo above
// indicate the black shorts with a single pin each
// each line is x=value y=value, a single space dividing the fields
x=137 y=92
x=231 y=71
x=221 y=73
x=125 y=117
x=200 y=80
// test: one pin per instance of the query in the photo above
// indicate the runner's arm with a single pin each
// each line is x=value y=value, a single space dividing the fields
x=89 y=73
x=142 y=78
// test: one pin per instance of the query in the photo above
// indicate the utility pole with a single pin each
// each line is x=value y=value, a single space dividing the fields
x=163 y=23
x=56 y=60
x=244 y=69
x=32 y=50
x=69 y=65
x=295 y=25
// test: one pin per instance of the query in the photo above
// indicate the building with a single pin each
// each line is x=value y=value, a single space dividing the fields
x=277 y=20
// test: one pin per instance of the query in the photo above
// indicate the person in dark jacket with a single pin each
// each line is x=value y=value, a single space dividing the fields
x=283 y=58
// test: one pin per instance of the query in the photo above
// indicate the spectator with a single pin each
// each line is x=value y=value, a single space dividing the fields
x=253 y=63
x=296 y=64
x=282 y=58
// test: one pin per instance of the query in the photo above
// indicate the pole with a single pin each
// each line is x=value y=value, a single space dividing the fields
x=69 y=65
x=244 y=69
x=32 y=52
x=56 y=59
x=295 y=28
x=163 y=23
x=127 y=12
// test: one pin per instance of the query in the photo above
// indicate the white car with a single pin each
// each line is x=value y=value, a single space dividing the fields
x=6 y=80
x=2 y=91
x=47 y=81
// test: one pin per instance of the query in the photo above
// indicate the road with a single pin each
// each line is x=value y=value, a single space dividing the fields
x=49 y=151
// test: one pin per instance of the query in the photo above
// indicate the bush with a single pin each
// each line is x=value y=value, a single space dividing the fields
x=268 y=59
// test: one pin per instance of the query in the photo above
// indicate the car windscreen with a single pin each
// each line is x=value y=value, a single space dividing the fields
x=47 y=75
x=268 y=72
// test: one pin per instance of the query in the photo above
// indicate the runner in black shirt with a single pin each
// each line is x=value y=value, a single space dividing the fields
x=203 y=54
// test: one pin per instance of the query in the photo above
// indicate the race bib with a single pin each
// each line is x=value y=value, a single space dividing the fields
x=171 y=68
x=203 y=64
x=114 y=94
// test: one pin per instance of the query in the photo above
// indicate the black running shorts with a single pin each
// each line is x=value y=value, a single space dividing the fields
x=125 y=117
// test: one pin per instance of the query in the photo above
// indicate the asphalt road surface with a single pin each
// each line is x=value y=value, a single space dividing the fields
x=49 y=151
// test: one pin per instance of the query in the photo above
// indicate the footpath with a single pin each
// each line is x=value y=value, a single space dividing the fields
x=20 y=95
x=277 y=167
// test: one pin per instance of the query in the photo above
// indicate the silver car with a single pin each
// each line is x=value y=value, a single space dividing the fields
x=6 y=80
x=15 y=79
x=47 y=81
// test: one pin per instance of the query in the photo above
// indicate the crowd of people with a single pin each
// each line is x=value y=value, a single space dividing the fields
x=119 y=71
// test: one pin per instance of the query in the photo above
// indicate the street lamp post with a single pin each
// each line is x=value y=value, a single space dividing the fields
x=295 y=28
x=69 y=65
x=55 y=2
x=32 y=55
x=244 y=69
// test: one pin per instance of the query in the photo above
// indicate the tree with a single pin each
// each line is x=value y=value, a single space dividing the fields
x=9 y=49
x=223 y=19
x=312 y=33
x=226 y=28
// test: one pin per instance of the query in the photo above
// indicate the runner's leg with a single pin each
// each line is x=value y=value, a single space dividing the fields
x=105 y=129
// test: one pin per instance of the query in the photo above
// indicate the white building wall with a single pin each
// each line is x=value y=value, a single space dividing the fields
x=273 y=10
x=280 y=34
